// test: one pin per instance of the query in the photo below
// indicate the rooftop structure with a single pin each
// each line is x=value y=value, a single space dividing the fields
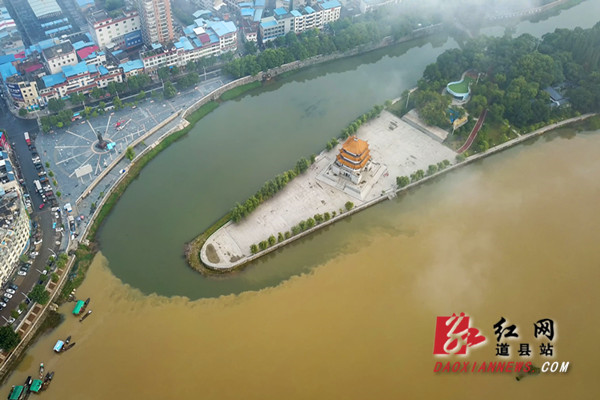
x=111 y=31
x=352 y=159
x=45 y=8
x=58 y=56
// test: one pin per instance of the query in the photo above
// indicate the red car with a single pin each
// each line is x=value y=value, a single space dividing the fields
x=42 y=206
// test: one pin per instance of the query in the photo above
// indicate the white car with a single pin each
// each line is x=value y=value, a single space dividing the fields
x=34 y=254
x=8 y=295
x=2 y=304
x=22 y=273
x=11 y=320
x=11 y=291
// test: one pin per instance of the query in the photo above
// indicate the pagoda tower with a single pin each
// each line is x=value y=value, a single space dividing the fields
x=353 y=158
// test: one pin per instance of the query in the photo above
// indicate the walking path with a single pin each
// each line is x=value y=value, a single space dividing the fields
x=473 y=133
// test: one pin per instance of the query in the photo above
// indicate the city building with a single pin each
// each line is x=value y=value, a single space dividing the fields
x=79 y=78
x=58 y=56
x=10 y=38
x=352 y=159
x=204 y=38
x=120 y=31
x=15 y=227
x=45 y=8
x=298 y=21
x=156 y=21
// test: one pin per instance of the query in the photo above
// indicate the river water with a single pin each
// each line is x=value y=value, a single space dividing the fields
x=350 y=311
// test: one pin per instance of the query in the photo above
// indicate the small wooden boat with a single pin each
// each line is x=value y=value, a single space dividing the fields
x=85 y=316
x=41 y=368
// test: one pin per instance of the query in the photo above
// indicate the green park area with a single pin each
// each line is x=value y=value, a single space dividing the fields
x=462 y=86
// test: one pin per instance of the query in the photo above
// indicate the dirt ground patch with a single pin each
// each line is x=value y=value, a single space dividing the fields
x=211 y=254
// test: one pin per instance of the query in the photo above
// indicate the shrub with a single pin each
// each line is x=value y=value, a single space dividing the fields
x=272 y=240
x=287 y=235
x=349 y=205
x=263 y=245
x=326 y=216
x=279 y=237
x=254 y=249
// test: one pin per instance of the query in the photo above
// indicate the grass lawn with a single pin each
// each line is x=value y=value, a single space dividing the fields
x=462 y=86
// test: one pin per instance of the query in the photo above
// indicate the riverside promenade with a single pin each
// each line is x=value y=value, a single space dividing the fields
x=228 y=248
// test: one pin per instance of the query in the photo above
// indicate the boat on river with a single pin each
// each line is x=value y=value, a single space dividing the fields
x=47 y=380
x=80 y=306
x=61 y=346
x=17 y=393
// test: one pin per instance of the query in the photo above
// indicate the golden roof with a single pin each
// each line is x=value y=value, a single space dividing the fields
x=355 y=145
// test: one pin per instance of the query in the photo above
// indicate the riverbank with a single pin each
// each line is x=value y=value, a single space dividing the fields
x=232 y=240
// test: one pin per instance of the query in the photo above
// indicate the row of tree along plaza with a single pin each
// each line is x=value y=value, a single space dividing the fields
x=524 y=84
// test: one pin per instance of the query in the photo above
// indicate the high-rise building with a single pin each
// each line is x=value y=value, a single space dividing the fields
x=157 y=22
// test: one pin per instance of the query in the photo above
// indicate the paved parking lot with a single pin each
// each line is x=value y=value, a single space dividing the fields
x=76 y=160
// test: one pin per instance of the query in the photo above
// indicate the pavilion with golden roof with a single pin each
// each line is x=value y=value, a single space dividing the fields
x=353 y=159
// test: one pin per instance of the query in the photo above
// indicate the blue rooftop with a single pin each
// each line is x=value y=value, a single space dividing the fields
x=92 y=69
x=189 y=30
x=7 y=70
x=296 y=13
x=245 y=4
x=258 y=14
x=280 y=11
x=223 y=28
x=7 y=58
x=247 y=12
x=102 y=69
x=131 y=66
x=269 y=23
x=72 y=70
x=184 y=43
x=83 y=3
x=330 y=4
x=309 y=9
x=54 y=79
x=259 y=3
x=117 y=52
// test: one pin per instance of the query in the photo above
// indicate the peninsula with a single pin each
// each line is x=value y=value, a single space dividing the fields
x=428 y=129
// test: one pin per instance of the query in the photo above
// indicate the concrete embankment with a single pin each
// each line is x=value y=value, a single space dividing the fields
x=226 y=241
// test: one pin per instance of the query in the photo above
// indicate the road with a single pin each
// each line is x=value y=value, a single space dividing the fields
x=44 y=218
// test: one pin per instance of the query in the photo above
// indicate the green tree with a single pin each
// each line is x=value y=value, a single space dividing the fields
x=118 y=103
x=77 y=98
x=55 y=105
x=272 y=240
x=39 y=294
x=8 y=338
x=349 y=205
x=432 y=169
x=58 y=194
x=402 y=181
x=22 y=112
x=250 y=47
x=163 y=73
x=169 y=90
x=140 y=96
x=97 y=93
x=279 y=237
x=254 y=249
x=327 y=216
x=263 y=245
x=130 y=153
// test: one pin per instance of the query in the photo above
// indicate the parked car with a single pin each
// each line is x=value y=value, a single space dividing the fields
x=5 y=300
x=34 y=253
x=13 y=286
x=11 y=320
x=8 y=295
x=22 y=272
x=42 y=206
x=11 y=291
x=2 y=304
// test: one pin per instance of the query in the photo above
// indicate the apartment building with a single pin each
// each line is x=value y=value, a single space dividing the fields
x=112 y=32
x=298 y=21
x=156 y=21
x=59 y=56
